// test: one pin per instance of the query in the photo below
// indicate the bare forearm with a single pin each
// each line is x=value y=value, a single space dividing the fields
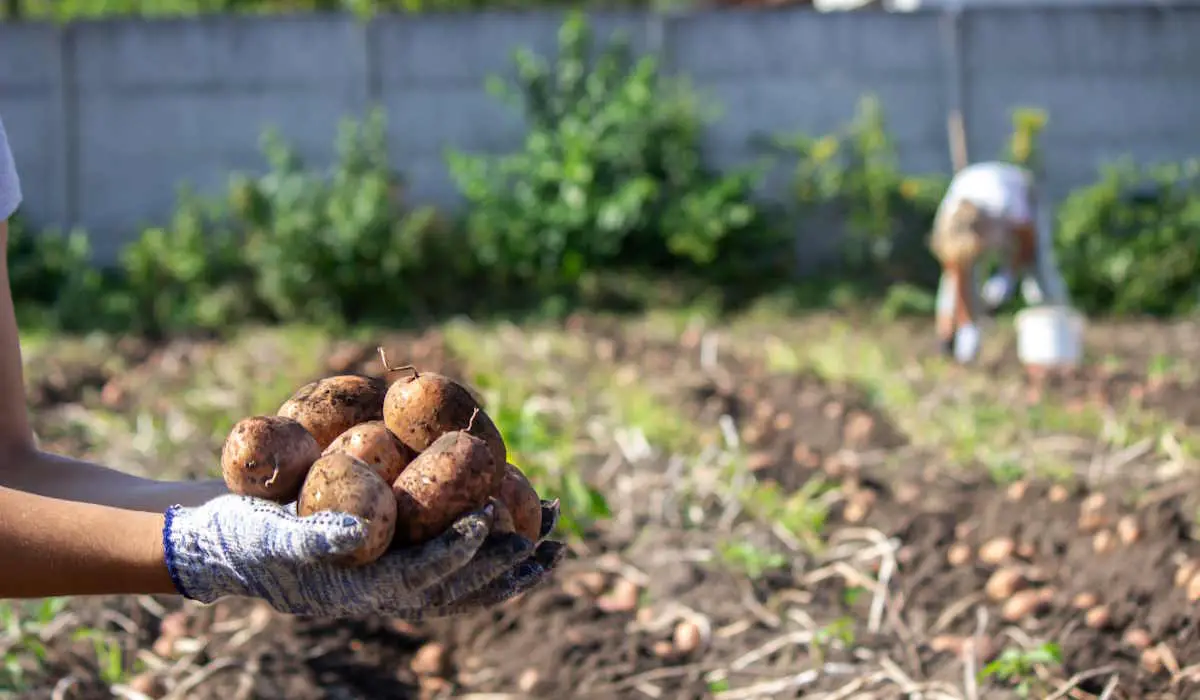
x=51 y=547
x=14 y=428
x=69 y=479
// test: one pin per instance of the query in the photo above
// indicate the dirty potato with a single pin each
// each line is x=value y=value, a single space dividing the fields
x=268 y=457
x=346 y=484
x=422 y=407
x=454 y=475
x=522 y=501
x=374 y=444
x=329 y=407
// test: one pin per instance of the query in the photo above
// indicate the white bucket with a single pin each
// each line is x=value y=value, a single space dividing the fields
x=1049 y=336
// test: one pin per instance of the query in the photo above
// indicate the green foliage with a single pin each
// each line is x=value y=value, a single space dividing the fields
x=750 y=560
x=1130 y=243
x=343 y=246
x=611 y=174
x=1024 y=146
x=49 y=270
x=1019 y=666
x=185 y=276
x=854 y=175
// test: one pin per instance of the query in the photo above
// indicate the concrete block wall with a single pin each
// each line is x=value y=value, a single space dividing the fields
x=108 y=118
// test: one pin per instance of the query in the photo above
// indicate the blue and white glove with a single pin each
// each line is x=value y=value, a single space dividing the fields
x=966 y=343
x=242 y=546
x=997 y=290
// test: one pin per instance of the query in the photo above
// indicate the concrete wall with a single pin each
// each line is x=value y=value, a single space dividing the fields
x=108 y=118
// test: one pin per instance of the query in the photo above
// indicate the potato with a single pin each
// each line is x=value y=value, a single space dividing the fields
x=996 y=550
x=329 y=407
x=343 y=483
x=268 y=457
x=421 y=408
x=374 y=444
x=454 y=475
x=522 y=502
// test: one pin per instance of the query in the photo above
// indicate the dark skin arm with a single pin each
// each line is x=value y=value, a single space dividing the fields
x=50 y=547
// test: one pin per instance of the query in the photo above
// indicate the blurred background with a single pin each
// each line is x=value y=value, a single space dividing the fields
x=679 y=248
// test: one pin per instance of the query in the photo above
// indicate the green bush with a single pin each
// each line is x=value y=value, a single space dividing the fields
x=52 y=279
x=344 y=247
x=611 y=176
x=185 y=276
x=293 y=244
x=853 y=176
x=1130 y=244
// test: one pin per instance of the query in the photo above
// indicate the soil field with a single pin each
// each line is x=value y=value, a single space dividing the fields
x=770 y=508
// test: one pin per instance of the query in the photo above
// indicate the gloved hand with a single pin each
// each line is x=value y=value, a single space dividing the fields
x=997 y=290
x=243 y=546
x=1031 y=291
x=966 y=343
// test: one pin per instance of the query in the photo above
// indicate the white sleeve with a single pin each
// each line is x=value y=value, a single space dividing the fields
x=10 y=183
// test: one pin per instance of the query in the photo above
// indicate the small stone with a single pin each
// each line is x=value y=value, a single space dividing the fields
x=1127 y=530
x=622 y=598
x=584 y=584
x=430 y=660
x=528 y=680
x=687 y=637
x=1083 y=601
x=858 y=428
x=958 y=554
x=149 y=684
x=996 y=550
x=1004 y=583
x=1097 y=617
x=1136 y=637
x=1151 y=661
x=1021 y=605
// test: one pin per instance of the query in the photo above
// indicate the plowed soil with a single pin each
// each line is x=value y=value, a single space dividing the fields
x=914 y=575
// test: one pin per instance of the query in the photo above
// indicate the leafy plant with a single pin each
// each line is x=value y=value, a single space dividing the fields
x=190 y=274
x=1019 y=666
x=344 y=246
x=801 y=513
x=750 y=560
x=1024 y=145
x=853 y=176
x=541 y=450
x=610 y=174
x=1131 y=242
x=48 y=269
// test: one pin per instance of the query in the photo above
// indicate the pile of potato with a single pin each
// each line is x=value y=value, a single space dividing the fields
x=409 y=458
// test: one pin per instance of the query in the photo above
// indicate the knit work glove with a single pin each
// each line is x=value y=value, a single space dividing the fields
x=243 y=546
x=997 y=290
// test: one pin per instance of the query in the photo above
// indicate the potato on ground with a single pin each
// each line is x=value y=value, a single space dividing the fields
x=522 y=502
x=268 y=457
x=453 y=476
x=421 y=408
x=329 y=407
x=340 y=482
x=374 y=444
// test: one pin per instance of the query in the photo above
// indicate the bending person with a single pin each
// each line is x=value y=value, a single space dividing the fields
x=990 y=207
